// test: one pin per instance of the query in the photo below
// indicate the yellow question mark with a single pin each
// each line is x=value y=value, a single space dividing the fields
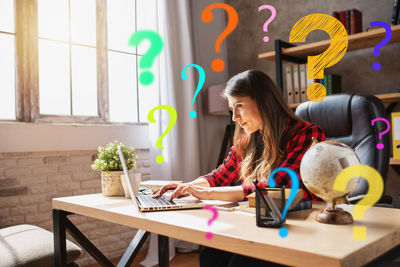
x=316 y=64
x=173 y=116
x=375 y=191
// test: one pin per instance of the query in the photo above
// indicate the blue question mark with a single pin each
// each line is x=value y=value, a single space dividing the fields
x=283 y=231
x=377 y=66
x=202 y=78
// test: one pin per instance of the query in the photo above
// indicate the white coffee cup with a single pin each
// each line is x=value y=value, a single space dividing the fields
x=135 y=180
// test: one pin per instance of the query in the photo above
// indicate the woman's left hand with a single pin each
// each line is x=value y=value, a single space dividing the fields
x=200 y=192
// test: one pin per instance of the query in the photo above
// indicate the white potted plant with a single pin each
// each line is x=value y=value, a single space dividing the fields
x=109 y=163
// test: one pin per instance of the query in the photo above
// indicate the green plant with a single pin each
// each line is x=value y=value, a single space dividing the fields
x=108 y=157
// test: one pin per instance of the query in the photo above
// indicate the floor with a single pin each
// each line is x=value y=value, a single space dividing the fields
x=180 y=260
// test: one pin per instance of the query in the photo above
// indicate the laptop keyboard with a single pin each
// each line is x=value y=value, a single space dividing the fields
x=149 y=201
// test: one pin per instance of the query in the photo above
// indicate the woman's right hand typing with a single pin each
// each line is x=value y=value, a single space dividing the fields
x=173 y=185
x=180 y=188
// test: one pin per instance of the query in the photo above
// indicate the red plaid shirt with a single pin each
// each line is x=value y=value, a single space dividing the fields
x=228 y=172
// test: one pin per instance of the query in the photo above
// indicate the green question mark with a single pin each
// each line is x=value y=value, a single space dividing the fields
x=156 y=45
x=172 y=115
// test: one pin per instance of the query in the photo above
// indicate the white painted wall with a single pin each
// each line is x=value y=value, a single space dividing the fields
x=33 y=137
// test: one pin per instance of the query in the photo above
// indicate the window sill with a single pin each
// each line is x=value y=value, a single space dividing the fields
x=31 y=137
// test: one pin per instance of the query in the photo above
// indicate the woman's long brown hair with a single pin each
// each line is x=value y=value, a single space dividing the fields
x=263 y=150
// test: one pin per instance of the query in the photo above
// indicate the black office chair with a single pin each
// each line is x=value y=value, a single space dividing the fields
x=347 y=118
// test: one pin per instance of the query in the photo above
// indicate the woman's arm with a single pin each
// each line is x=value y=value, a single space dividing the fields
x=179 y=187
x=224 y=175
x=226 y=193
x=200 y=182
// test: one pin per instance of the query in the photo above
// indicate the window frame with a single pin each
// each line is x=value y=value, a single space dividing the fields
x=27 y=70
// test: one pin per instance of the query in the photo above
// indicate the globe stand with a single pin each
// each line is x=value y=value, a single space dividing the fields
x=333 y=215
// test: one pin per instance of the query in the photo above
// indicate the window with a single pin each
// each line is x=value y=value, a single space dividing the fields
x=73 y=61
x=67 y=57
x=123 y=60
x=7 y=60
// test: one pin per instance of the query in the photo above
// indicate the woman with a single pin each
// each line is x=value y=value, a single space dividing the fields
x=268 y=135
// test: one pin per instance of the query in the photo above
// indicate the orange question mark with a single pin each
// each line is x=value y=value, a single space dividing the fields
x=316 y=64
x=218 y=64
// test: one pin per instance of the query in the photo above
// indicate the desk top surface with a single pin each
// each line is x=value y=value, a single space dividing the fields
x=308 y=243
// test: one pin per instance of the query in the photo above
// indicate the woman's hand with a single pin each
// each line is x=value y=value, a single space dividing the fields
x=180 y=188
x=202 y=191
x=197 y=191
x=159 y=192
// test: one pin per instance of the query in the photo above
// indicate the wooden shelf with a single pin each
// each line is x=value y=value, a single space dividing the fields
x=385 y=98
x=356 y=41
x=394 y=161
x=389 y=98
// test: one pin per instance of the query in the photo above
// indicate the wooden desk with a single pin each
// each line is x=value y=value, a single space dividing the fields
x=309 y=243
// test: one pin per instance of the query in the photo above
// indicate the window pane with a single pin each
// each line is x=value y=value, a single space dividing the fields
x=54 y=78
x=148 y=94
x=7 y=16
x=84 y=81
x=121 y=24
x=7 y=76
x=146 y=20
x=122 y=87
x=83 y=22
x=53 y=19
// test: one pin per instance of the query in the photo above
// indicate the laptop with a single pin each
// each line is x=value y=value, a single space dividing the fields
x=148 y=203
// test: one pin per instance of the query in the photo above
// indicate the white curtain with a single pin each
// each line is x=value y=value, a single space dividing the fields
x=181 y=150
x=181 y=145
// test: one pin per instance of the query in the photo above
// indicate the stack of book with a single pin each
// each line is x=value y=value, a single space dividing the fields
x=395 y=15
x=351 y=19
x=332 y=83
x=297 y=83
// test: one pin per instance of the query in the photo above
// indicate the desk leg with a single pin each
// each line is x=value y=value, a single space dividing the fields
x=163 y=251
x=59 y=228
x=133 y=248
x=86 y=244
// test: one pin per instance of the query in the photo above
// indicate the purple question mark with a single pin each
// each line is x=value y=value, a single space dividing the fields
x=381 y=146
x=377 y=66
x=265 y=27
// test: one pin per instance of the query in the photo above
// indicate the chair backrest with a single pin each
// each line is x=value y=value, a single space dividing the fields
x=347 y=118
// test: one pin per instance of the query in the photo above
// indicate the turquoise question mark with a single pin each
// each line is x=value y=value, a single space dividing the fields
x=202 y=78
x=156 y=45
x=172 y=120
x=283 y=232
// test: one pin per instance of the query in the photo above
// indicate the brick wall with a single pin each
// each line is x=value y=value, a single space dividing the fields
x=29 y=181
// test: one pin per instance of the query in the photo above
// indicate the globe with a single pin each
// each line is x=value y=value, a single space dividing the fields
x=322 y=163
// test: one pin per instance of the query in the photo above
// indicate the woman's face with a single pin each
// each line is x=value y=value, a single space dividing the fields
x=245 y=112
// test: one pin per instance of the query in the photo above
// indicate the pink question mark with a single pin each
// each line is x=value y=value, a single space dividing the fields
x=381 y=146
x=209 y=235
x=265 y=27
